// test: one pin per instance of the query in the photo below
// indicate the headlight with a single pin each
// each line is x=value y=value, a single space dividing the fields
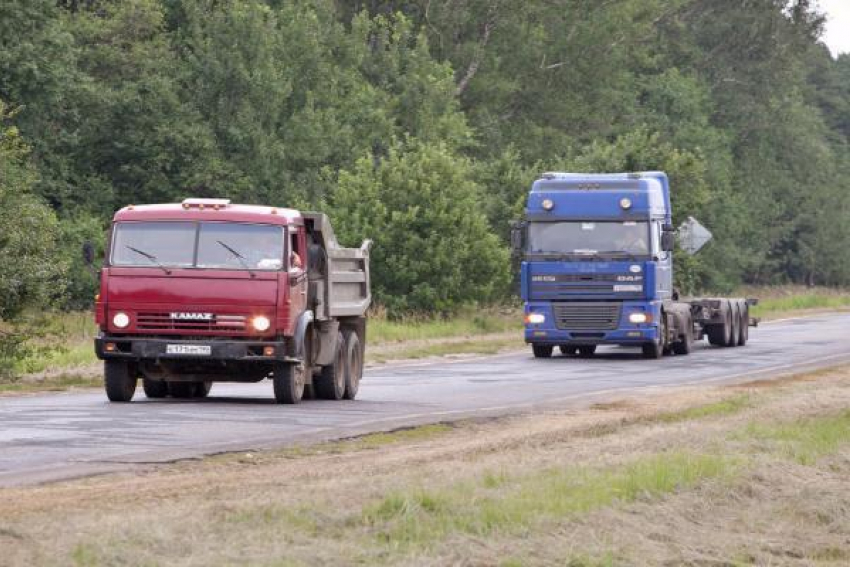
x=535 y=318
x=638 y=318
x=261 y=323
x=121 y=320
x=548 y=204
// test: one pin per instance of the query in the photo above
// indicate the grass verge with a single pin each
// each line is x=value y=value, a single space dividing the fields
x=495 y=502
x=725 y=482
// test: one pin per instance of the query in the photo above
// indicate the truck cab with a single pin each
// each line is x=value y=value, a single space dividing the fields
x=597 y=266
x=204 y=290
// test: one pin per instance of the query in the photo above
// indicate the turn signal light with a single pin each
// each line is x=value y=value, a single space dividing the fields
x=110 y=347
x=268 y=351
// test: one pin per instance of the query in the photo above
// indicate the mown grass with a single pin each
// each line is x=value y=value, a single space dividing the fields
x=419 y=517
x=722 y=408
x=804 y=440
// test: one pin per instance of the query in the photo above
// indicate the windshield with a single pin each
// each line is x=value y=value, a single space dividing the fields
x=229 y=246
x=589 y=238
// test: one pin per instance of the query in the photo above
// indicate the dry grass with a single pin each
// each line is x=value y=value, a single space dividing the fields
x=754 y=474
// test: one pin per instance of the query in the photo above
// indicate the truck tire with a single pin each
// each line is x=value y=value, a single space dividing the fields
x=155 y=388
x=542 y=351
x=744 y=328
x=353 y=364
x=202 y=389
x=655 y=349
x=330 y=384
x=719 y=333
x=181 y=390
x=586 y=351
x=568 y=350
x=288 y=380
x=686 y=345
x=734 y=325
x=120 y=380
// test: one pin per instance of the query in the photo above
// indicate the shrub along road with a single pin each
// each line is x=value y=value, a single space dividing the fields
x=57 y=436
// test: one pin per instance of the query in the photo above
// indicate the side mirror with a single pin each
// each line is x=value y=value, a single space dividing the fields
x=668 y=241
x=88 y=253
x=517 y=237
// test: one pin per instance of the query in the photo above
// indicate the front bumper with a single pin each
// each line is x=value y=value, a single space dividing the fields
x=632 y=336
x=131 y=348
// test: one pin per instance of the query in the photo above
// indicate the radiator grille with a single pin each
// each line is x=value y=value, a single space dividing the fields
x=162 y=321
x=587 y=316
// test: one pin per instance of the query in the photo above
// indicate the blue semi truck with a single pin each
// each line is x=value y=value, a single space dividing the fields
x=597 y=269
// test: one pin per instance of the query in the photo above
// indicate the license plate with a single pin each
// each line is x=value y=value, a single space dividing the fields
x=196 y=350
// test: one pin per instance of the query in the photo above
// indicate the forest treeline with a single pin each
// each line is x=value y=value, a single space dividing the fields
x=420 y=124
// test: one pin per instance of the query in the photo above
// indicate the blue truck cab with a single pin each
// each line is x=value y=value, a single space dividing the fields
x=597 y=268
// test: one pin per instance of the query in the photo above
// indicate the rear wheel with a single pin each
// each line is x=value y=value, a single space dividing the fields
x=288 y=381
x=586 y=350
x=202 y=389
x=734 y=326
x=568 y=350
x=744 y=328
x=353 y=364
x=542 y=351
x=155 y=388
x=719 y=333
x=182 y=390
x=119 y=380
x=330 y=384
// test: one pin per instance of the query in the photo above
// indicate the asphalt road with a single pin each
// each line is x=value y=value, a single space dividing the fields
x=50 y=437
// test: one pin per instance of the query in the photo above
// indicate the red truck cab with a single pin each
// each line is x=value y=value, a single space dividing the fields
x=205 y=291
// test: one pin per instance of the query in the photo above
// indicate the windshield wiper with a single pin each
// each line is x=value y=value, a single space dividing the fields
x=238 y=256
x=150 y=257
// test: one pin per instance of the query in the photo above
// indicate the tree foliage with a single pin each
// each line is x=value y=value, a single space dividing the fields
x=30 y=273
x=306 y=102
x=433 y=250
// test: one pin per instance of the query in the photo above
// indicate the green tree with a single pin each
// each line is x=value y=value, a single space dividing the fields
x=433 y=250
x=31 y=274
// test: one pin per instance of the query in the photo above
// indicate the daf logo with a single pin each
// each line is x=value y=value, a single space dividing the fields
x=544 y=278
x=192 y=316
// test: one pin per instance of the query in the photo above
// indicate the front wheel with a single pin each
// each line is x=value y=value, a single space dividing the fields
x=686 y=345
x=542 y=351
x=120 y=380
x=288 y=381
x=586 y=351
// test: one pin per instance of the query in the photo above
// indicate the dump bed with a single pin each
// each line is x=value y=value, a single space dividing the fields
x=339 y=277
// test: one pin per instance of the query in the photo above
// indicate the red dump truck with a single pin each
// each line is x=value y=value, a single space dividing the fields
x=207 y=291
